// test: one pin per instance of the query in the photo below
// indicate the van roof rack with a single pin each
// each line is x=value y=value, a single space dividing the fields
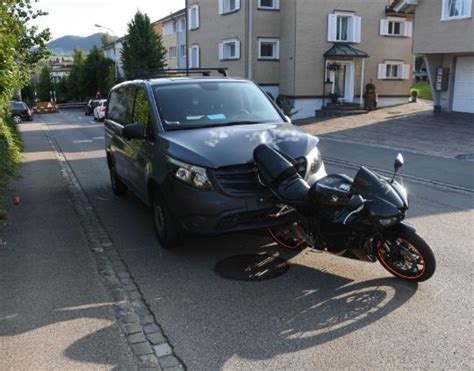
x=178 y=72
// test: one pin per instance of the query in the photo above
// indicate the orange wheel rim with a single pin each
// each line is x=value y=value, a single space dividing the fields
x=381 y=253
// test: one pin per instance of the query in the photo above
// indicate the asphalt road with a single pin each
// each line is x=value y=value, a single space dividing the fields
x=325 y=312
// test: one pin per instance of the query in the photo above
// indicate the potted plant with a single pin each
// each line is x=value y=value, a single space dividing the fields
x=414 y=95
x=370 y=96
x=334 y=97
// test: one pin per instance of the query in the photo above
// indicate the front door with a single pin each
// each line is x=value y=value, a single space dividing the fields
x=342 y=77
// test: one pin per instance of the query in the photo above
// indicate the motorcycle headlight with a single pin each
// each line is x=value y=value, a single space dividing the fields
x=389 y=221
x=314 y=161
x=193 y=175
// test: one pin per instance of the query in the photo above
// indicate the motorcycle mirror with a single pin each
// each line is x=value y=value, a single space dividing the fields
x=399 y=162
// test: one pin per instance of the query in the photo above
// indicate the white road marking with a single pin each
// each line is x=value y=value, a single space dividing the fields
x=98 y=138
x=83 y=141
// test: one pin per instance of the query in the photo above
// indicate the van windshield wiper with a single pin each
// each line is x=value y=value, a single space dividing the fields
x=224 y=124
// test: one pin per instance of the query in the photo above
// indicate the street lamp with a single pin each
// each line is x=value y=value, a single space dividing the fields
x=115 y=48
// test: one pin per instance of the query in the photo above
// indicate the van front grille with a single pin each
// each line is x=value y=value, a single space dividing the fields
x=241 y=180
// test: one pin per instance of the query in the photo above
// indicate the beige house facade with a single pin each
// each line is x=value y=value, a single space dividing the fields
x=173 y=35
x=306 y=49
x=444 y=35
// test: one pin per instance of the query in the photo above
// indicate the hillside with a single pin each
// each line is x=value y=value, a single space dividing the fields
x=66 y=44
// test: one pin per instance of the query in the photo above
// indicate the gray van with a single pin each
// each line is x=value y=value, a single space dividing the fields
x=184 y=146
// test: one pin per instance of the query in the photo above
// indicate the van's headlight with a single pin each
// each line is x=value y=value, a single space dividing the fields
x=193 y=175
x=314 y=161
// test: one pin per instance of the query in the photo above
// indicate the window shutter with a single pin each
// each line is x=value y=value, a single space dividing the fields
x=221 y=6
x=383 y=27
x=382 y=71
x=405 y=71
x=190 y=19
x=197 y=16
x=198 y=57
x=221 y=51
x=468 y=8
x=408 y=29
x=237 y=4
x=357 y=22
x=190 y=52
x=276 y=4
x=237 y=49
x=444 y=10
x=332 y=24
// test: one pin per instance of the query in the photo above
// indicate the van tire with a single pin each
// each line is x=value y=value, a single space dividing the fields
x=166 y=228
x=118 y=187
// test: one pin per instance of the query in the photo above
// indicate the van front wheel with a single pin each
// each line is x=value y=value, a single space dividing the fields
x=167 y=230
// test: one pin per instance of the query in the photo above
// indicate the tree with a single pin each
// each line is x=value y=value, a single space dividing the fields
x=143 y=53
x=107 y=39
x=45 y=85
x=21 y=47
x=75 y=89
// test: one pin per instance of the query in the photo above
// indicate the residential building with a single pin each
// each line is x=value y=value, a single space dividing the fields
x=305 y=50
x=114 y=51
x=444 y=35
x=173 y=34
x=60 y=70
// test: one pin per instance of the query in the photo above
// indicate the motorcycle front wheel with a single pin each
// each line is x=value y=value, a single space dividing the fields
x=288 y=236
x=407 y=256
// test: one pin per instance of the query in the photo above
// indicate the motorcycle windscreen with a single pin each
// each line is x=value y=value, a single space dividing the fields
x=385 y=201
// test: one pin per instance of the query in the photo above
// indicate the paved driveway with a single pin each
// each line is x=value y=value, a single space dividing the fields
x=410 y=127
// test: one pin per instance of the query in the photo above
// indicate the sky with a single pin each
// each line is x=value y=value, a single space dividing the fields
x=77 y=17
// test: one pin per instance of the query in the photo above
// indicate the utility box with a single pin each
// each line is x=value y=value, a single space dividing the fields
x=442 y=79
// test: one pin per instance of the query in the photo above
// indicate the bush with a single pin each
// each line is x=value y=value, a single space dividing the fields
x=10 y=155
x=287 y=105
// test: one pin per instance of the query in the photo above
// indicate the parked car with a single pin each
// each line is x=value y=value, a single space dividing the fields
x=89 y=107
x=184 y=146
x=20 y=111
x=99 y=110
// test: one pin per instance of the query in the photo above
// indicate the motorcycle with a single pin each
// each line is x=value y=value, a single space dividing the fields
x=360 y=218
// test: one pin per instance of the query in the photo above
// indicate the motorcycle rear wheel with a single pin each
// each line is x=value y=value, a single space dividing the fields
x=286 y=236
x=407 y=256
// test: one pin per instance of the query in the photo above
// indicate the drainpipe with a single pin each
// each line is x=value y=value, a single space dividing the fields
x=362 y=77
x=250 y=40
x=187 y=38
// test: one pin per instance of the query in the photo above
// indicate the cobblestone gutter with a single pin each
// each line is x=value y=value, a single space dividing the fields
x=140 y=327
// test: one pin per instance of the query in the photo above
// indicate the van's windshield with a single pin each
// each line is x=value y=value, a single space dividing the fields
x=213 y=103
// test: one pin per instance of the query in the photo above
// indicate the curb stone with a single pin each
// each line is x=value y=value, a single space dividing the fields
x=138 y=325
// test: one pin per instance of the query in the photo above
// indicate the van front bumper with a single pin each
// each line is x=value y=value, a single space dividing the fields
x=213 y=212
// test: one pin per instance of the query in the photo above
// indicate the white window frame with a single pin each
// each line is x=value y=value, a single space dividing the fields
x=276 y=48
x=172 y=55
x=182 y=51
x=466 y=8
x=198 y=57
x=193 y=11
x=403 y=70
x=275 y=6
x=181 y=25
x=354 y=27
x=166 y=28
x=223 y=53
x=224 y=7
x=406 y=27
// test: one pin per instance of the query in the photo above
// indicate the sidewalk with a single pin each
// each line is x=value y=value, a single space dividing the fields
x=55 y=312
x=413 y=127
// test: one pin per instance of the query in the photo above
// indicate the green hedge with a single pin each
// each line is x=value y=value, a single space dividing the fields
x=10 y=155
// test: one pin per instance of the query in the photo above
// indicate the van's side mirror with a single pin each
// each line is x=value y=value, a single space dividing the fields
x=134 y=131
